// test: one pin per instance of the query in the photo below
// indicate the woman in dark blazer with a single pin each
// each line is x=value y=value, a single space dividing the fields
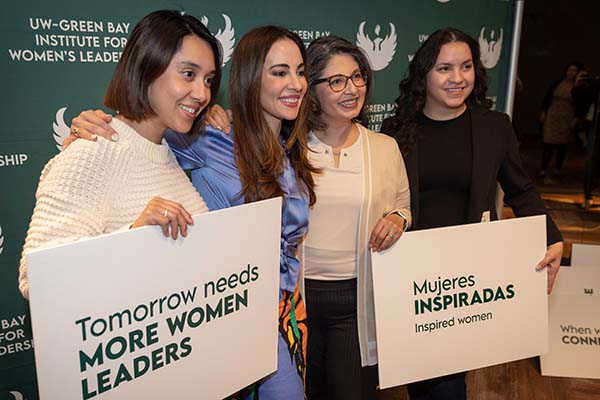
x=456 y=150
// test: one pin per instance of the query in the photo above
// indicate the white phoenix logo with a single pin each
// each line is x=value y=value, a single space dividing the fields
x=226 y=37
x=61 y=130
x=1 y=241
x=380 y=51
x=490 y=51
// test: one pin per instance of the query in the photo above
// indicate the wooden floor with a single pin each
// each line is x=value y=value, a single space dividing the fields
x=521 y=380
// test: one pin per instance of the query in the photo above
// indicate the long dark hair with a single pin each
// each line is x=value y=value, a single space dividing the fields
x=149 y=50
x=319 y=54
x=258 y=153
x=413 y=91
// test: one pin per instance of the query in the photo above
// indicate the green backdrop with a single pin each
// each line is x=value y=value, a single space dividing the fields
x=58 y=56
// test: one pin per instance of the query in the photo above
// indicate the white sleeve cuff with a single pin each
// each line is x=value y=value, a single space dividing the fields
x=402 y=215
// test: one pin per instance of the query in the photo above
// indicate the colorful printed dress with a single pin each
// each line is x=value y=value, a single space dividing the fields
x=215 y=175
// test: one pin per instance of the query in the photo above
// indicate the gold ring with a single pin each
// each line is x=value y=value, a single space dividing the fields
x=75 y=131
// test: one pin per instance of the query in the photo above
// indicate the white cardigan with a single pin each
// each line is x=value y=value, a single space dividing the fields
x=385 y=189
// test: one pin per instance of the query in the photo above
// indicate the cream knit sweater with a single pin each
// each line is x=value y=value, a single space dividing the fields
x=99 y=187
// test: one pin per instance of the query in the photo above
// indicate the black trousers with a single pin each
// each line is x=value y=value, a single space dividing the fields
x=333 y=366
x=549 y=150
x=449 y=387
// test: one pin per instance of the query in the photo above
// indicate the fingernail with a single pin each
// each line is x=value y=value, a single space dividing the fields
x=114 y=137
x=94 y=137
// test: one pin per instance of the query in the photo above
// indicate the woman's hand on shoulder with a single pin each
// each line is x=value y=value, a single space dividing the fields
x=387 y=231
x=169 y=215
x=219 y=118
x=89 y=125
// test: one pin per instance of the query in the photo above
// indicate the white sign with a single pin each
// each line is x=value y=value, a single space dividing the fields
x=585 y=254
x=574 y=337
x=133 y=315
x=458 y=298
x=577 y=280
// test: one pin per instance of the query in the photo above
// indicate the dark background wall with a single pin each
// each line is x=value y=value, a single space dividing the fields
x=554 y=33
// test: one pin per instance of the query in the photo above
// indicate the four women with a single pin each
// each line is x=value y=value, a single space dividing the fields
x=456 y=150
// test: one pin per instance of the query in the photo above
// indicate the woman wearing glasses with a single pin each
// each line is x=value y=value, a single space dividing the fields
x=363 y=203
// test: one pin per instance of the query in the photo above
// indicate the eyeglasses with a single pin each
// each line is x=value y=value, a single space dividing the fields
x=338 y=82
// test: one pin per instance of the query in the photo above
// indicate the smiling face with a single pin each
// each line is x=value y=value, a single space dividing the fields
x=283 y=83
x=343 y=106
x=182 y=91
x=449 y=82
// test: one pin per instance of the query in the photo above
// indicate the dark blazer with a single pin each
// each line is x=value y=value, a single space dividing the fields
x=495 y=159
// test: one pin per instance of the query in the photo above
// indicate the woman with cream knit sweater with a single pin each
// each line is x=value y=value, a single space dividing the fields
x=97 y=187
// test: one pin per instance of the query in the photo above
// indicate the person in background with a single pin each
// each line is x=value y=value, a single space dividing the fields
x=264 y=158
x=168 y=73
x=558 y=119
x=585 y=96
x=456 y=150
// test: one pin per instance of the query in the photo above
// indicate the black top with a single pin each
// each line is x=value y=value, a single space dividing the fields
x=445 y=163
x=494 y=158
